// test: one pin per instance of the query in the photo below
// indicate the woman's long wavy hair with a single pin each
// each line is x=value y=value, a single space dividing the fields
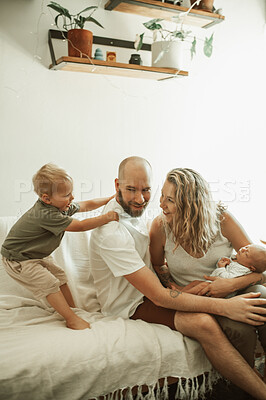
x=197 y=215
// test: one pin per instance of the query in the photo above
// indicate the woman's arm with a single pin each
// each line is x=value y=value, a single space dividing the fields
x=157 y=243
x=221 y=287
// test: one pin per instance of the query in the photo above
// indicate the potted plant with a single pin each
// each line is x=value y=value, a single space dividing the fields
x=79 y=39
x=168 y=43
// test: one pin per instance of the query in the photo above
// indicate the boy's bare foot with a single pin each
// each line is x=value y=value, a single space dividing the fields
x=77 y=323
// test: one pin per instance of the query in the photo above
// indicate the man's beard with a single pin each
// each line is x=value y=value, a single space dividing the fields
x=128 y=210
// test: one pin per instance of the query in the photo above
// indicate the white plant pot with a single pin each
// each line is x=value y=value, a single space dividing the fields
x=172 y=56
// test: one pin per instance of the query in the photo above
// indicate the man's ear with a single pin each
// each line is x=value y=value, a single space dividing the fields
x=117 y=185
x=45 y=198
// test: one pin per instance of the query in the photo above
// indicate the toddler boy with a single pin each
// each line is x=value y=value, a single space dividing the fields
x=28 y=245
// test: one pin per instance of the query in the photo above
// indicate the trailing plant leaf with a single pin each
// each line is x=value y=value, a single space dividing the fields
x=138 y=42
x=193 y=48
x=153 y=24
x=208 y=46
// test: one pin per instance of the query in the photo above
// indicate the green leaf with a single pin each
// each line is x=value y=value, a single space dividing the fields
x=153 y=25
x=178 y=34
x=56 y=19
x=207 y=49
x=139 y=42
x=90 y=19
x=87 y=9
x=61 y=10
x=193 y=48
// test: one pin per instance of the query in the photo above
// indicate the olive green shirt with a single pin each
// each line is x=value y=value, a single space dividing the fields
x=38 y=232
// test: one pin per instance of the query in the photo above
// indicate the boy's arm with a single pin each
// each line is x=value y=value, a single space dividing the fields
x=89 y=205
x=91 y=223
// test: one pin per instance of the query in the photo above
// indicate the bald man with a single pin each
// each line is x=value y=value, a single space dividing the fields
x=127 y=286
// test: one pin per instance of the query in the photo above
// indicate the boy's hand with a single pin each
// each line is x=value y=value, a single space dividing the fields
x=112 y=216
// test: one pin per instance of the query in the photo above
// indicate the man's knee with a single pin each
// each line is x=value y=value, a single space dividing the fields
x=195 y=325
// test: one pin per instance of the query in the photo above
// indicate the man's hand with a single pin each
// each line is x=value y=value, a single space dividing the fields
x=223 y=262
x=246 y=308
x=219 y=287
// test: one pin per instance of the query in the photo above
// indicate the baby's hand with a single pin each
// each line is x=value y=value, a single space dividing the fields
x=223 y=262
x=112 y=216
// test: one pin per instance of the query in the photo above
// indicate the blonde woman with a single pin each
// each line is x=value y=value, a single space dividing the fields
x=189 y=237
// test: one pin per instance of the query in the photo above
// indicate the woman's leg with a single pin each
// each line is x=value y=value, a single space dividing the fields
x=243 y=336
x=261 y=329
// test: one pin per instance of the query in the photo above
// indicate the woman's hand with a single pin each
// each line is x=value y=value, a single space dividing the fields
x=195 y=287
x=219 y=287
x=246 y=308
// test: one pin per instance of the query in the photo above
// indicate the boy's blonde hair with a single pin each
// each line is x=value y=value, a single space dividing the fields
x=49 y=178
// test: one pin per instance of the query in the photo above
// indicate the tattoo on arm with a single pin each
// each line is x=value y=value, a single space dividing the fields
x=175 y=293
x=165 y=276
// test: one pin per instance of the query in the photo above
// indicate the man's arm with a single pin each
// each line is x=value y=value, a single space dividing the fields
x=89 y=205
x=240 y=308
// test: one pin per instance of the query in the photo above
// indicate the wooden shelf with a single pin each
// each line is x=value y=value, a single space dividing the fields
x=118 y=69
x=158 y=9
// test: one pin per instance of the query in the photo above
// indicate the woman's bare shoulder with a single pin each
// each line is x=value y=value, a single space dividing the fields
x=157 y=223
x=157 y=226
x=157 y=234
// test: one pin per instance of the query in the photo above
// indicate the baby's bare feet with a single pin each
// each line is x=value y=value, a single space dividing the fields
x=77 y=323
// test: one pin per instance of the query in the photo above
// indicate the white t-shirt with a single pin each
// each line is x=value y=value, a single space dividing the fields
x=118 y=249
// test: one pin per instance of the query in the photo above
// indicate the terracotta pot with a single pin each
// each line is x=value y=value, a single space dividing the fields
x=79 y=43
x=205 y=5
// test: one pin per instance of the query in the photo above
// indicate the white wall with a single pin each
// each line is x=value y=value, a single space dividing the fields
x=213 y=121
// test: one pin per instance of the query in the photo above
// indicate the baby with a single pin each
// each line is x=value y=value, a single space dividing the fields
x=27 y=247
x=250 y=258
